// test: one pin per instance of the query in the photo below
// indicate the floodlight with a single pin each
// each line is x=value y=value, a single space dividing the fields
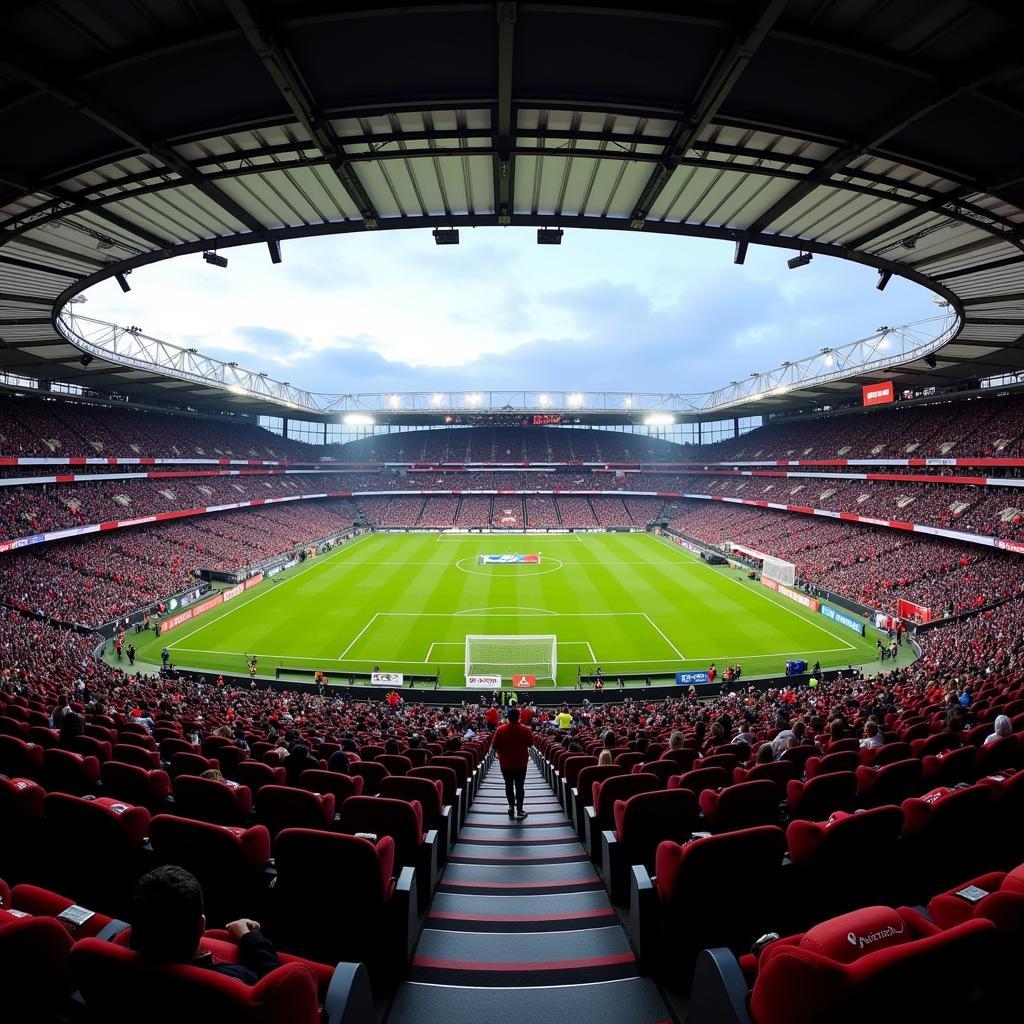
x=884 y=277
x=740 y=254
x=446 y=236
x=659 y=419
x=357 y=419
x=85 y=359
x=930 y=360
x=549 y=236
x=275 y=250
x=799 y=261
x=215 y=260
x=122 y=280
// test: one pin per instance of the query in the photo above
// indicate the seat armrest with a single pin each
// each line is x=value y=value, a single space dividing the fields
x=643 y=924
x=591 y=838
x=111 y=930
x=407 y=916
x=719 y=993
x=613 y=867
x=349 y=999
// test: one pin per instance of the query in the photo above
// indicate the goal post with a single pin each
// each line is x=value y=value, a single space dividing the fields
x=512 y=654
x=779 y=570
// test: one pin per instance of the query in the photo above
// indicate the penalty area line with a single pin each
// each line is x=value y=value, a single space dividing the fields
x=679 y=654
x=341 y=657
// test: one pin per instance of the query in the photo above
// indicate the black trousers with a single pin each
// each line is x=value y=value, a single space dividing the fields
x=515 y=786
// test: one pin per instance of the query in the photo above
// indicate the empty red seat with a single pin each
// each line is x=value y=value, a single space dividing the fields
x=33 y=901
x=1003 y=754
x=700 y=779
x=371 y=772
x=256 y=775
x=19 y=759
x=822 y=795
x=191 y=764
x=129 y=754
x=147 y=787
x=319 y=780
x=89 y=745
x=220 y=803
x=396 y=764
x=1000 y=900
x=280 y=807
x=712 y=891
x=838 y=761
x=347 y=879
x=601 y=815
x=872 y=962
x=26 y=844
x=175 y=745
x=885 y=754
x=743 y=805
x=103 y=840
x=34 y=977
x=229 y=862
x=664 y=770
x=778 y=772
x=64 y=771
x=726 y=761
x=949 y=767
x=862 y=849
x=429 y=794
x=889 y=784
x=641 y=823
x=683 y=757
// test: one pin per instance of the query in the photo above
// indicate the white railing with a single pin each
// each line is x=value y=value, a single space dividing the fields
x=886 y=349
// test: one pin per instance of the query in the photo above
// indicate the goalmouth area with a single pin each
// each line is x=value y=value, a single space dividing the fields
x=629 y=603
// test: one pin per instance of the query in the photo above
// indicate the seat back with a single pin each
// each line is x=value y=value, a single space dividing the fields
x=146 y=787
x=386 y=816
x=699 y=780
x=396 y=764
x=34 y=973
x=128 y=753
x=573 y=765
x=319 y=780
x=280 y=807
x=212 y=801
x=685 y=758
x=256 y=775
x=428 y=792
x=115 y=982
x=191 y=764
x=446 y=776
x=647 y=819
x=821 y=795
x=890 y=784
x=67 y=772
x=19 y=759
x=839 y=761
x=620 y=787
x=371 y=772
x=742 y=805
x=457 y=763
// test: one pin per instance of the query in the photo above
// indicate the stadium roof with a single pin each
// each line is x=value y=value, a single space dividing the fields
x=889 y=132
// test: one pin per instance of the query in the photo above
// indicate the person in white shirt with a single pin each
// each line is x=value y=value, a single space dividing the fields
x=872 y=737
x=1002 y=727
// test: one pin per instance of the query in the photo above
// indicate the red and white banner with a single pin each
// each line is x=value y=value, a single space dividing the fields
x=879 y=394
x=909 y=610
x=523 y=682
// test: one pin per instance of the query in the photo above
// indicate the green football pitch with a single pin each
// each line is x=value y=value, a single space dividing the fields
x=631 y=603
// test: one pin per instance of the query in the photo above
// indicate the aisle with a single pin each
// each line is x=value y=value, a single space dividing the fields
x=521 y=928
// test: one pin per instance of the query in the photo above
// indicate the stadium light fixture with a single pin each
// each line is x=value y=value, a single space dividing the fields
x=884 y=277
x=473 y=399
x=215 y=260
x=930 y=360
x=799 y=261
x=446 y=236
x=357 y=419
x=85 y=359
x=122 y=280
x=438 y=399
x=628 y=401
x=236 y=389
x=394 y=401
x=659 y=419
x=575 y=400
x=740 y=253
x=543 y=400
x=275 y=250
x=549 y=236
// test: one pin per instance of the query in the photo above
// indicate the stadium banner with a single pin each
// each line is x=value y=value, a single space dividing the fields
x=190 y=613
x=231 y=592
x=386 y=678
x=842 y=618
x=691 y=678
x=252 y=581
x=507 y=559
x=794 y=595
x=522 y=682
x=878 y=394
x=483 y=682
x=908 y=610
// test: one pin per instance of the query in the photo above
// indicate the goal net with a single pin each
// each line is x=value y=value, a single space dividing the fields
x=778 y=570
x=535 y=655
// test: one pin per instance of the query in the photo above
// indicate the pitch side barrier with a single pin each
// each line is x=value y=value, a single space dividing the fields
x=426 y=692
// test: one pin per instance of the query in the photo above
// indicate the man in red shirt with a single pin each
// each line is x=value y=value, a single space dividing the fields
x=511 y=743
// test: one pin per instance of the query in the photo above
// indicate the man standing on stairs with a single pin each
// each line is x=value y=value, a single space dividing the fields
x=512 y=742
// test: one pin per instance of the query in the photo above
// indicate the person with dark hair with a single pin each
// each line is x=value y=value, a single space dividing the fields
x=339 y=762
x=297 y=762
x=168 y=922
x=70 y=727
x=512 y=742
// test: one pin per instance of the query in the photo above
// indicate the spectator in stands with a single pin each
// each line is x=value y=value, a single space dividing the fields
x=297 y=762
x=212 y=774
x=676 y=740
x=872 y=737
x=168 y=922
x=605 y=757
x=339 y=762
x=512 y=742
x=60 y=710
x=765 y=754
x=1002 y=727
x=70 y=726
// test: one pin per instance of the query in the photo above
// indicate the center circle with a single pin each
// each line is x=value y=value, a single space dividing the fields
x=515 y=568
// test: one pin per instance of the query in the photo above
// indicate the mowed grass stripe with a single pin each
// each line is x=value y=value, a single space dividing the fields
x=707 y=613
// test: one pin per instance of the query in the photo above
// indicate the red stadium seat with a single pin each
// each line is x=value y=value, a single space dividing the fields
x=743 y=805
x=280 y=807
x=220 y=803
x=822 y=795
x=146 y=787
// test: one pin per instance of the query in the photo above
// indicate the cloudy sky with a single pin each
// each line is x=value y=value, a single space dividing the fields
x=390 y=311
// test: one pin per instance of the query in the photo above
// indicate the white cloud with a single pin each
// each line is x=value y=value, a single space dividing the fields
x=391 y=311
